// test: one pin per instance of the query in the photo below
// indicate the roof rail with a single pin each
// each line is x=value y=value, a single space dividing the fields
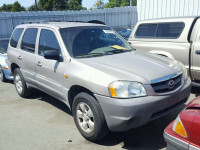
x=41 y=21
x=31 y=22
x=48 y=21
x=96 y=21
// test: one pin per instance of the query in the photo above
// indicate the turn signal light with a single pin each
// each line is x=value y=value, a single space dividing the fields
x=112 y=91
x=178 y=127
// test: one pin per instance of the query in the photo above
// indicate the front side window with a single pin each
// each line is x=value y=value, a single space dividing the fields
x=48 y=41
x=160 y=30
x=29 y=39
x=93 y=41
x=15 y=37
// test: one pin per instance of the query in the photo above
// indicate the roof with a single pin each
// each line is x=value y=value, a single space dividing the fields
x=59 y=24
x=170 y=18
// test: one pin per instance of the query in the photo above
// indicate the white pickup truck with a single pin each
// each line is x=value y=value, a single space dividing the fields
x=177 y=38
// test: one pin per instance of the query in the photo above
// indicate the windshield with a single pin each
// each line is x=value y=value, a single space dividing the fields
x=3 y=46
x=84 y=42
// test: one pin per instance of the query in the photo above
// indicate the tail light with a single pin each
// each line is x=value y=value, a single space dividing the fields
x=179 y=128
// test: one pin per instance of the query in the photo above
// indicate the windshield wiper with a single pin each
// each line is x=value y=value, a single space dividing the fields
x=117 y=51
x=90 y=54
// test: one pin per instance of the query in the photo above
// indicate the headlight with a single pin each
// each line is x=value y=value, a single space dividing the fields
x=126 y=89
x=185 y=72
x=4 y=63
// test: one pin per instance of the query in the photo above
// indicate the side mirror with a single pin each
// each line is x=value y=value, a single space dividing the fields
x=51 y=54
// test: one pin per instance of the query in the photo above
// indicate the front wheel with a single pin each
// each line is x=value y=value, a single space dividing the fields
x=89 y=117
x=20 y=84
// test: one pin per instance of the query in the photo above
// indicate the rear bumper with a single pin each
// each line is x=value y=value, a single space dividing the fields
x=124 y=114
x=174 y=143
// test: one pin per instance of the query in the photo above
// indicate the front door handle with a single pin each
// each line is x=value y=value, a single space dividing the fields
x=39 y=64
x=197 y=52
x=19 y=57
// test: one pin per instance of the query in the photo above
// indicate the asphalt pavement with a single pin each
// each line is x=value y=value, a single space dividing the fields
x=42 y=122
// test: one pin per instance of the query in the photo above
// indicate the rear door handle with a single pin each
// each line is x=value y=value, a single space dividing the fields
x=19 y=57
x=39 y=64
x=197 y=52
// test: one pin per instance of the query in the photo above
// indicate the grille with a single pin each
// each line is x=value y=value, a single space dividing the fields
x=163 y=86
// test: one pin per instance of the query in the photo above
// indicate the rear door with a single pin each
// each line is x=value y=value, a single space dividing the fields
x=195 y=68
x=27 y=55
x=13 y=51
x=50 y=73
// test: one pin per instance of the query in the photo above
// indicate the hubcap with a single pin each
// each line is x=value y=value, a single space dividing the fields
x=85 y=117
x=18 y=83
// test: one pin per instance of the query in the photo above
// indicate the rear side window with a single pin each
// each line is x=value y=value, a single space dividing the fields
x=48 y=41
x=29 y=39
x=171 y=30
x=15 y=37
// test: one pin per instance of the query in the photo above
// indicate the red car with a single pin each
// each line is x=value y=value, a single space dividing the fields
x=184 y=132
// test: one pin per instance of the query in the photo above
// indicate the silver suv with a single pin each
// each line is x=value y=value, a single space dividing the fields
x=106 y=83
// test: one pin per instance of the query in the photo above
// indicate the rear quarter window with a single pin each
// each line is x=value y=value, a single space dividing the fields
x=170 y=30
x=15 y=37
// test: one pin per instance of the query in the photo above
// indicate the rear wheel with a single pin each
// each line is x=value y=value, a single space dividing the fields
x=20 y=84
x=3 y=78
x=89 y=117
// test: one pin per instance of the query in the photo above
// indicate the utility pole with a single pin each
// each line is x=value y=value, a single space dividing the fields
x=131 y=2
x=36 y=8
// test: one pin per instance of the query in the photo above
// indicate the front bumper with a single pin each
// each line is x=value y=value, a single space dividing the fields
x=174 y=143
x=124 y=114
x=7 y=74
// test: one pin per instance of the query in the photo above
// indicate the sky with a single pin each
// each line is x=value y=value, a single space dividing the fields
x=27 y=3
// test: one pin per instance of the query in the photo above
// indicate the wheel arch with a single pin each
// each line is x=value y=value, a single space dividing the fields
x=76 y=89
x=13 y=66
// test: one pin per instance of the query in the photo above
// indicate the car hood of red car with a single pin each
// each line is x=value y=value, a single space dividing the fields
x=195 y=103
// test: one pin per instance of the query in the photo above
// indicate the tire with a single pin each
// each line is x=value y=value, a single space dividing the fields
x=3 y=78
x=20 y=84
x=92 y=132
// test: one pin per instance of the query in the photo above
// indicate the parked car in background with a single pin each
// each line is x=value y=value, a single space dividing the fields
x=177 y=38
x=5 y=73
x=106 y=83
x=125 y=33
x=184 y=132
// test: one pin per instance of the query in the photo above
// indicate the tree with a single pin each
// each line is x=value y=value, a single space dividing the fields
x=119 y=3
x=17 y=7
x=75 y=5
x=33 y=8
x=53 y=5
x=99 y=4
x=6 y=8
x=36 y=5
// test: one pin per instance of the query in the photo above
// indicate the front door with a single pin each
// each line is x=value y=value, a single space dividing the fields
x=195 y=68
x=50 y=73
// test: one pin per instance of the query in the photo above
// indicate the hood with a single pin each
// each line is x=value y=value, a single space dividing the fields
x=136 y=65
x=4 y=55
x=195 y=103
